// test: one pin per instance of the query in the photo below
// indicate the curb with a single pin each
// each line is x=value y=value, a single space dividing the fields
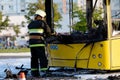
x=15 y=55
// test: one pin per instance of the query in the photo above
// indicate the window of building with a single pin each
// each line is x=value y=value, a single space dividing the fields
x=22 y=5
x=11 y=7
x=2 y=7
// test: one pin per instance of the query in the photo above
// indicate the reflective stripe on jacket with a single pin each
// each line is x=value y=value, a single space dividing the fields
x=36 y=31
x=36 y=45
x=41 y=69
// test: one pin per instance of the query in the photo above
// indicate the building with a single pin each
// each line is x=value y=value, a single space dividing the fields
x=14 y=7
x=15 y=10
x=82 y=3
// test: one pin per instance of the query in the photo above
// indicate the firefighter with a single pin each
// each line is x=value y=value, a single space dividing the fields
x=38 y=29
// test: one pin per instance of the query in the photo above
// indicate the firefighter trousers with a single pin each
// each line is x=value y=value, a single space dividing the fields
x=38 y=60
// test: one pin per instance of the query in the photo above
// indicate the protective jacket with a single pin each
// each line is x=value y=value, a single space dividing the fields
x=40 y=29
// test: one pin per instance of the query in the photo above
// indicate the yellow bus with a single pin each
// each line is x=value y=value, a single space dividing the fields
x=101 y=52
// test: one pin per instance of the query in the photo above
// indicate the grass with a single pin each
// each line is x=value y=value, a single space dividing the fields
x=17 y=50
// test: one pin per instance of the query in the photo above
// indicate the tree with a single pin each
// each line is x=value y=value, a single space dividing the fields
x=32 y=7
x=81 y=24
x=0 y=19
x=16 y=29
x=57 y=16
x=3 y=24
x=80 y=14
x=23 y=24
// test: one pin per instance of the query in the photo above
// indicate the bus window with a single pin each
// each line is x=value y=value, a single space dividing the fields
x=115 y=13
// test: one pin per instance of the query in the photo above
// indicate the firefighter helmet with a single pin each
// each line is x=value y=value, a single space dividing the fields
x=41 y=13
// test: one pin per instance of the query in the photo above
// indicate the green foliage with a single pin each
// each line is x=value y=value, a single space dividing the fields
x=97 y=15
x=16 y=29
x=32 y=7
x=57 y=16
x=3 y=24
x=0 y=18
x=80 y=14
x=81 y=24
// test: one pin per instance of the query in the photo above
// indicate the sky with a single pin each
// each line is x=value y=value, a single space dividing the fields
x=65 y=24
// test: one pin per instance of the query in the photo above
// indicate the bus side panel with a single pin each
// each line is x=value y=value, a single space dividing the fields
x=115 y=53
x=99 y=57
x=92 y=56
x=64 y=51
x=65 y=54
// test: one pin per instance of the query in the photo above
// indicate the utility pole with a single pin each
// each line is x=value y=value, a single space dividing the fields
x=49 y=14
x=89 y=10
x=70 y=14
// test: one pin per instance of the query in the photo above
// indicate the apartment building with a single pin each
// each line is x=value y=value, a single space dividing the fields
x=15 y=7
x=15 y=10
x=82 y=3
